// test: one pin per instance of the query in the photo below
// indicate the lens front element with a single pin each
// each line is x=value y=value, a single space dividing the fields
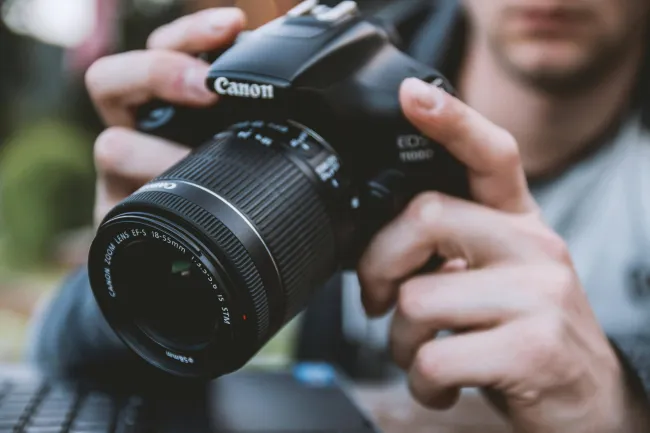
x=170 y=298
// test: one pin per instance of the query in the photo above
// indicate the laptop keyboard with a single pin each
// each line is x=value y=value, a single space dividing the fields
x=38 y=407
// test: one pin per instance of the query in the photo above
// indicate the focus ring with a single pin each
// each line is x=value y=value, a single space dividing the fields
x=235 y=253
x=279 y=200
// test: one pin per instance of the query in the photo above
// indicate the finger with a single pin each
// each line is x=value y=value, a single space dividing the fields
x=479 y=359
x=435 y=224
x=482 y=298
x=120 y=83
x=135 y=156
x=125 y=161
x=202 y=31
x=489 y=152
x=132 y=159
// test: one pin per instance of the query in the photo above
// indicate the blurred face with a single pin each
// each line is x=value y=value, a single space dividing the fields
x=559 y=45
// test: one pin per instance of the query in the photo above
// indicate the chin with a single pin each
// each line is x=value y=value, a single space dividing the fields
x=546 y=58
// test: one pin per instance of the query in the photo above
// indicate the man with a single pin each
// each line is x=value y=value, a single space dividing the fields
x=559 y=76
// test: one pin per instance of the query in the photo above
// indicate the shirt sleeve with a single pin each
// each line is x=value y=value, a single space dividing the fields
x=634 y=354
x=71 y=336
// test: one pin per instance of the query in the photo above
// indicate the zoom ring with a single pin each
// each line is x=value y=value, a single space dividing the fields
x=279 y=200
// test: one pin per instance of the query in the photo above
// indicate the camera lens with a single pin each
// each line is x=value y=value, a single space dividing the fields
x=197 y=270
x=170 y=300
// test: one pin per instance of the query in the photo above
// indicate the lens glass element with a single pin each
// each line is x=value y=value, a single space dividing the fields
x=169 y=296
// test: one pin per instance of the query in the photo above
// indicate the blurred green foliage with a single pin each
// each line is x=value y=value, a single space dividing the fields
x=46 y=188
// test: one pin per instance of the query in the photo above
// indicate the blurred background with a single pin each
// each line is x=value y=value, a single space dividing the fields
x=47 y=129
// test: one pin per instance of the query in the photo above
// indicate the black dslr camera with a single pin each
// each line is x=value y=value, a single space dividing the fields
x=305 y=156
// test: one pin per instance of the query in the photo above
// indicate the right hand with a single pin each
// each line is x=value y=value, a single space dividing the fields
x=167 y=70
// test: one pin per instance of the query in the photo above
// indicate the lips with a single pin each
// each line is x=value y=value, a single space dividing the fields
x=550 y=18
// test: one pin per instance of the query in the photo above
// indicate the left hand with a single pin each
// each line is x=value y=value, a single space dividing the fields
x=523 y=326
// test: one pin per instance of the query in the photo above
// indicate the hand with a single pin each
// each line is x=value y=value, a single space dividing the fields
x=167 y=70
x=522 y=325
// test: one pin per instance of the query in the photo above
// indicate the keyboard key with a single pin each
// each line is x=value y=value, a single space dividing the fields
x=90 y=413
x=51 y=413
x=10 y=409
x=18 y=399
x=4 y=388
x=10 y=417
x=98 y=397
x=56 y=406
x=8 y=424
x=88 y=421
x=43 y=430
x=26 y=388
x=106 y=429
x=62 y=391
x=45 y=422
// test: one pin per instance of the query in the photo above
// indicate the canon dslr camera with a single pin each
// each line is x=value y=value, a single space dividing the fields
x=304 y=157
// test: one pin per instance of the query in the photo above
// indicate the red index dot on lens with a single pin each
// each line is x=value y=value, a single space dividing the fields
x=243 y=317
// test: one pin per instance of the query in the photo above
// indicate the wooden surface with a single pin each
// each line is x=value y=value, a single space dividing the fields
x=394 y=411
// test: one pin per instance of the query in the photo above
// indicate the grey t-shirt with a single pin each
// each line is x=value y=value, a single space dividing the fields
x=602 y=209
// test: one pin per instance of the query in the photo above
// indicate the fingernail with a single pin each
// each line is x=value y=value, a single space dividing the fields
x=223 y=19
x=195 y=83
x=427 y=96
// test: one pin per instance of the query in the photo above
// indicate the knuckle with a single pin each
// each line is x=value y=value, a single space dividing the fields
x=165 y=72
x=542 y=341
x=424 y=364
x=110 y=149
x=157 y=65
x=554 y=246
x=94 y=75
x=409 y=304
x=427 y=365
x=425 y=208
x=506 y=150
x=560 y=287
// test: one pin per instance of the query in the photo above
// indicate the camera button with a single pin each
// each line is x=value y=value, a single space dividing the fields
x=303 y=8
x=305 y=147
x=344 y=9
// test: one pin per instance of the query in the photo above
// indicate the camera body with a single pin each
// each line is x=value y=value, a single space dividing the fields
x=305 y=156
x=337 y=74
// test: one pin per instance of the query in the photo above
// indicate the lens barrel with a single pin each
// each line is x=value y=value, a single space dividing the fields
x=197 y=270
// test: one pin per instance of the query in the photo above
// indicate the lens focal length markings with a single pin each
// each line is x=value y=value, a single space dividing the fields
x=303 y=145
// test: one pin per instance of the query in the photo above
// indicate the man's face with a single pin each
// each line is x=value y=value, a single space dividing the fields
x=559 y=44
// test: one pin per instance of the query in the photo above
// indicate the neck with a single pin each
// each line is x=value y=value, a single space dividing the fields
x=552 y=130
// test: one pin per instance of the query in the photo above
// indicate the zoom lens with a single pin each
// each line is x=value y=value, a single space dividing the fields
x=197 y=270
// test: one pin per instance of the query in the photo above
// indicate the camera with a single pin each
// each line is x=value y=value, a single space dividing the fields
x=304 y=157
